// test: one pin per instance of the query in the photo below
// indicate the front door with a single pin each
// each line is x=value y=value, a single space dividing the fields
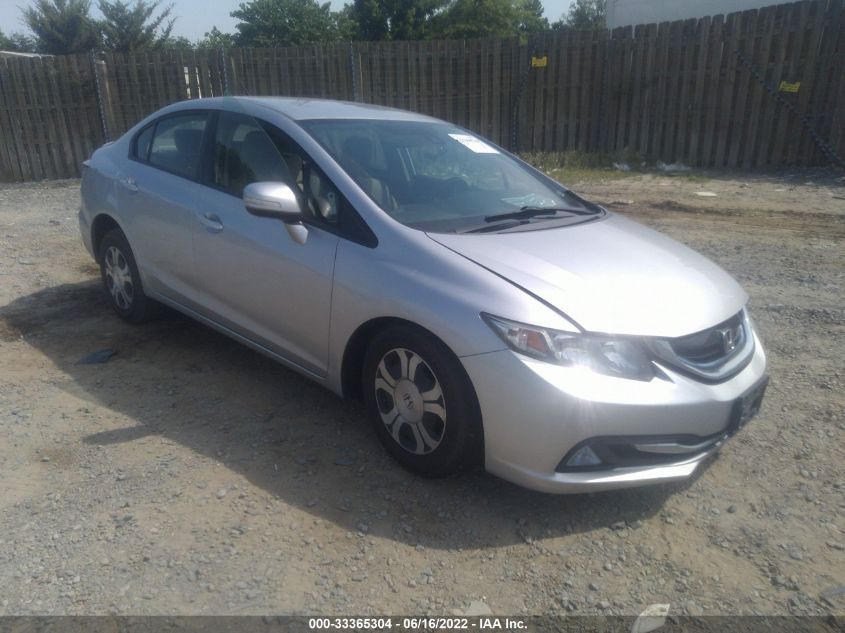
x=253 y=277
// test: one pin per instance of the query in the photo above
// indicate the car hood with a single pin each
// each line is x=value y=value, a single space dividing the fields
x=611 y=275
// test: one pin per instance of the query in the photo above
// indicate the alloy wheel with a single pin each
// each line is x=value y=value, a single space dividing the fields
x=119 y=278
x=410 y=401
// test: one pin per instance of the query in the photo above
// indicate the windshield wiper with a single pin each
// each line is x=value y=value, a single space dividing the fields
x=528 y=212
x=489 y=228
x=526 y=215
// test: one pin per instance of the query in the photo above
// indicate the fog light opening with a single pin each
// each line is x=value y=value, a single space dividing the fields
x=584 y=456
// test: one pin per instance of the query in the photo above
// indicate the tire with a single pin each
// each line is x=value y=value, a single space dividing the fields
x=122 y=282
x=424 y=409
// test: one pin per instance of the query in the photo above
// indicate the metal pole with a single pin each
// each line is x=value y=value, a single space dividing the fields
x=223 y=62
x=531 y=47
x=352 y=71
x=101 y=110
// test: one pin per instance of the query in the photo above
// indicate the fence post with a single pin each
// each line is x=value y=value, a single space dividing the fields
x=531 y=47
x=224 y=63
x=101 y=90
x=353 y=72
x=601 y=128
x=7 y=172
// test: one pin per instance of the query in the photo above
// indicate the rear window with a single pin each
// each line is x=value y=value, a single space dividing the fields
x=177 y=143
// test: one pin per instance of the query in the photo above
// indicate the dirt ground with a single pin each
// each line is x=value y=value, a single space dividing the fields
x=189 y=475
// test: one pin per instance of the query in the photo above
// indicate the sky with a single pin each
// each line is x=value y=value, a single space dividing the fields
x=195 y=17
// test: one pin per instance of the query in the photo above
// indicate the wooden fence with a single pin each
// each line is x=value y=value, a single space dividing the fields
x=756 y=89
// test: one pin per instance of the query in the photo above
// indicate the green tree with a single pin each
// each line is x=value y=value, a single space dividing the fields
x=177 y=43
x=584 y=15
x=284 y=22
x=532 y=19
x=18 y=42
x=345 y=24
x=215 y=38
x=394 y=19
x=465 y=19
x=62 y=27
x=128 y=28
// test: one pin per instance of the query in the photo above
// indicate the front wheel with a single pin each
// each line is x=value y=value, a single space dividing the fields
x=421 y=402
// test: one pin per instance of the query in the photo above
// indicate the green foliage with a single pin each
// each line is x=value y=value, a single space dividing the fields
x=393 y=19
x=532 y=20
x=215 y=38
x=177 y=43
x=464 y=19
x=62 y=27
x=577 y=166
x=18 y=42
x=129 y=28
x=584 y=15
x=346 y=25
x=572 y=159
x=65 y=26
x=284 y=23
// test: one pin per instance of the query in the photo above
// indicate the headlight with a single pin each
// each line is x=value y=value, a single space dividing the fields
x=622 y=358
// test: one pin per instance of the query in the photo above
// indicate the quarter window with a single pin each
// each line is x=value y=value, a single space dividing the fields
x=177 y=143
x=142 y=143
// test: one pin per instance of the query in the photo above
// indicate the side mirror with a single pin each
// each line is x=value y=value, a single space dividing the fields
x=272 y=200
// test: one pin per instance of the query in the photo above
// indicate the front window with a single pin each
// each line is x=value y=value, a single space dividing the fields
x=437 y=177
x=247 y=150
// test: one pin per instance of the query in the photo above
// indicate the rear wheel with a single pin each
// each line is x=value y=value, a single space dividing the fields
x=421 y=402
x=122 y=282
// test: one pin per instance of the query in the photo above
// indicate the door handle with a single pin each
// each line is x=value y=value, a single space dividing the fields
x=211 y=222
x=129 y=184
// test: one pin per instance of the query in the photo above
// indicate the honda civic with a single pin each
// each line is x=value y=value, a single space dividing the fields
x=484 y=313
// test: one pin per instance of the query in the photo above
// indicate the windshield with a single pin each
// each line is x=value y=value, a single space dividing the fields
x=437 y=177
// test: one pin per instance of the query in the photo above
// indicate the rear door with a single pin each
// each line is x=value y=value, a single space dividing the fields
x=254 y=278
x=158 y=191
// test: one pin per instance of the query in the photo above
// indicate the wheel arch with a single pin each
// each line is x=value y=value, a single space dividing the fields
x=101 y=225
x=356 y=349
x=353 y=361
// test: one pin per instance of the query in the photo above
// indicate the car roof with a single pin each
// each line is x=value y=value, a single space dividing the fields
x=302 y=109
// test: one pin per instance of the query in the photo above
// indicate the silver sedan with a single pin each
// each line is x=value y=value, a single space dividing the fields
x=486 y=314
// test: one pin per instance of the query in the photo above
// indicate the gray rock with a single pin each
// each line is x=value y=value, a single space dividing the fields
x=477 y=608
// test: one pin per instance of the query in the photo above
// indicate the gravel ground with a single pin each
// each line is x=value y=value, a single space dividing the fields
x=189 y=475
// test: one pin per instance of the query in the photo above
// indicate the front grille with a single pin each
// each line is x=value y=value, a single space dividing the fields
x=709 y=346
x=711 y=355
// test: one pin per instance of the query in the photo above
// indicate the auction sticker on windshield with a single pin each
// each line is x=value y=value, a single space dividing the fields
x=475 y=144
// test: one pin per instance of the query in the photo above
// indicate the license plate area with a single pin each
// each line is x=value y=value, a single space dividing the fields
x=747 y=406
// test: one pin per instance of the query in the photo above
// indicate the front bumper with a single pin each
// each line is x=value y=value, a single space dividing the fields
x=535 y=413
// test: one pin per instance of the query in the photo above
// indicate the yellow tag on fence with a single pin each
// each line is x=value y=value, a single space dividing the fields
x=539 y=62
x=785 y=86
